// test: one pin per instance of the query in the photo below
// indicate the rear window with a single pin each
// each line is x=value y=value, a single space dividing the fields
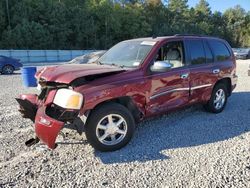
x=197 y=53
x=221 y=52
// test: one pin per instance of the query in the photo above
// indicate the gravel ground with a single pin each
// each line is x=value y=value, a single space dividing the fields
x=188 y=148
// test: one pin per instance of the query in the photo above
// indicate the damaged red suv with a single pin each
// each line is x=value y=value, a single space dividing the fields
x=133 y=80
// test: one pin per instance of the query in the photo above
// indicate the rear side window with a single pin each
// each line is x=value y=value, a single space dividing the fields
x=221 y=52
x=196 y=50
x=209 y=55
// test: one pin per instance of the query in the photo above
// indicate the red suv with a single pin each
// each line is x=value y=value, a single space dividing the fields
x=133 y=80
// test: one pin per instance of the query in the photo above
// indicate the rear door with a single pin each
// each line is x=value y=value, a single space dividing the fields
x=202 y=78
x=223 y=59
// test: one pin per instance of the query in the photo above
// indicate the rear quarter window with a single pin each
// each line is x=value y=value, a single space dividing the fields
x=221 y=52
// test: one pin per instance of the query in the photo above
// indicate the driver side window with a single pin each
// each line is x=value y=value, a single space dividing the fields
x=172 y=52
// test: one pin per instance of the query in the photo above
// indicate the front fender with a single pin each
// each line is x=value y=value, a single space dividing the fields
x=94 y=99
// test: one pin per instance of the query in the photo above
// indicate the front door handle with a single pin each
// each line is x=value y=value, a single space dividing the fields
x=216 y=71
x=184 y=76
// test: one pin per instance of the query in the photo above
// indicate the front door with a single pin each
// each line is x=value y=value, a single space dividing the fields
x=169 y=88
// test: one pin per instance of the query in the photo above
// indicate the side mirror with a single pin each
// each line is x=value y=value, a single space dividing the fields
x=161 y=66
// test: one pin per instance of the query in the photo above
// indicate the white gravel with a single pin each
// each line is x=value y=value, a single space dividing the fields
x=188 y=148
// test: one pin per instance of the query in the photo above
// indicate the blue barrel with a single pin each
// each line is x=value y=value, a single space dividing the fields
x=28 y=75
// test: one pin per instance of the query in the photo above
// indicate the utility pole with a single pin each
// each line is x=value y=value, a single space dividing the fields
x=7 y=10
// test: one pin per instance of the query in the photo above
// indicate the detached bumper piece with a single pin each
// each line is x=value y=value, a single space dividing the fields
x=47 y=128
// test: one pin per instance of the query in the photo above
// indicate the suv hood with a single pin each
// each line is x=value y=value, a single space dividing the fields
x=68 y=73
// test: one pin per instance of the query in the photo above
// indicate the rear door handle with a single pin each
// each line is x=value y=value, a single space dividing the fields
x=184 y=76
x=216 y=71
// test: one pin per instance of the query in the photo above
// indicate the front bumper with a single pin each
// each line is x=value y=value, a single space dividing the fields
x=48 y=117
x=47 y=128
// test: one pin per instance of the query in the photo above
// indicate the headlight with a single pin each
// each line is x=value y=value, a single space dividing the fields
x=68 y=99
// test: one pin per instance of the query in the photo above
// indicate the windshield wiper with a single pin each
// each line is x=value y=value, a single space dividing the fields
x=110 y=64
x=121 y=66
x=115 y=65
x=99 y=62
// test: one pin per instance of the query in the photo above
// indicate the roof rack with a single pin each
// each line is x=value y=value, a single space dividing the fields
x=191 y=35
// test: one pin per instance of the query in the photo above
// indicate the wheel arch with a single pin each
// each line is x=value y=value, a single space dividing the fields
x=7 y=64
x=227 y=81
x=126 y=101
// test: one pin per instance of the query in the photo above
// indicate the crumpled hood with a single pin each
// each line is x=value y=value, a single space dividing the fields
x=68 y=73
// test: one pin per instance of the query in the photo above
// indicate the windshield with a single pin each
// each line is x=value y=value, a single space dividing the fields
x=127 y=53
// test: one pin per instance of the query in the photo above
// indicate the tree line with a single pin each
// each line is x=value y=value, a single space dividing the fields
x=99 y=24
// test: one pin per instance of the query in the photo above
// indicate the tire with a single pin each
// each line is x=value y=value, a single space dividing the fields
x=101 y=129
x=7 y=69
x=212 y=105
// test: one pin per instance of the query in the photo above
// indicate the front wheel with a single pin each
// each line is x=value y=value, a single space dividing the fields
x=110 y=127
x=218 y=99
x=7 y=69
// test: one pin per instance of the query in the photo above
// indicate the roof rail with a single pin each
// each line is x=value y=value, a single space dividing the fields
x=191 y=35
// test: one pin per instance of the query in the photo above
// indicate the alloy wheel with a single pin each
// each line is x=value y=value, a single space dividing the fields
x=111 y=129
x=220 y=98
x=8 y=69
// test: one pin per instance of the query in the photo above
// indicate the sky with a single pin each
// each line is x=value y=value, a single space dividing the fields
x=222 y=5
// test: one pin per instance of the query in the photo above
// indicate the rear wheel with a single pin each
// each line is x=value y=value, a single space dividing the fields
x=7 y=69
x=218 y=99
x=110 y=127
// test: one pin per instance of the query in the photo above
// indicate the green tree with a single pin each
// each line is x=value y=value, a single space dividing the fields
x=203 y=17
x=203 y=8
x=3 y=24
x=26 y=35
x=178 y=12
x=234 y=18
x=245 y=32
x=99 y=24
